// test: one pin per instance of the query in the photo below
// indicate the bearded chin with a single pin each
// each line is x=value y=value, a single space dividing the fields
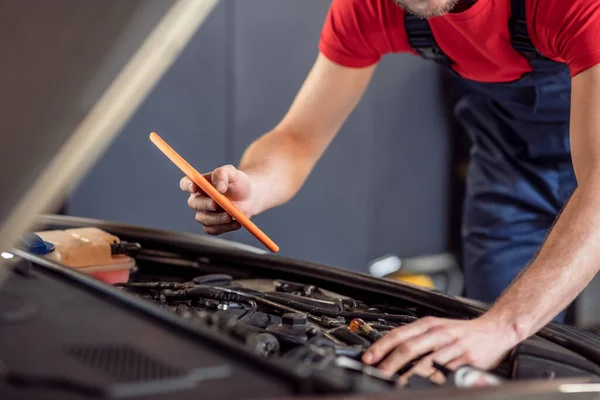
x=428 y=12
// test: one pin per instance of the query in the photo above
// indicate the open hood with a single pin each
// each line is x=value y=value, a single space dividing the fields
x=72 y=75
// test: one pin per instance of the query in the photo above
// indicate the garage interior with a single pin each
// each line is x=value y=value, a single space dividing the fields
x=233 y=82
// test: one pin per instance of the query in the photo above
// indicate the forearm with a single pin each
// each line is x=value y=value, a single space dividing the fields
x=566 y=263
x=278 y=164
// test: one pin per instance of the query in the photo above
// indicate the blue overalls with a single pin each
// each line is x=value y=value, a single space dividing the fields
x=520 y=174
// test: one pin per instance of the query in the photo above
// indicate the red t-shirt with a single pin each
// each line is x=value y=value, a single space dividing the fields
x=357 y=33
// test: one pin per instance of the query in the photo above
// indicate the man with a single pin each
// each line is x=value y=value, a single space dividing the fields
x=532 y=112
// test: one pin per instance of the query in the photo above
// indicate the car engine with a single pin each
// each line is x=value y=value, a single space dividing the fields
x=316 y=320
x=305 y=324
x=294 y=322
x=277 y=318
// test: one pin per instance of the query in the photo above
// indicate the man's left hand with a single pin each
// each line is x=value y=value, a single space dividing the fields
x=480 y=342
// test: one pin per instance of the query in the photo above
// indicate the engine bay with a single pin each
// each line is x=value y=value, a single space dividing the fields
x=313 y=321
x=304 y=324
x=298 y=323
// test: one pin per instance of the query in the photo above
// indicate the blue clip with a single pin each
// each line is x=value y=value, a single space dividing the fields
x=36 y=245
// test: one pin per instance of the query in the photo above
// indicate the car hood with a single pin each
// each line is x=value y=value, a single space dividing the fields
x=76 y=74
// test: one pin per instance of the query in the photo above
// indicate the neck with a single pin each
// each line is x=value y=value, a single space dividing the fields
x=463 y=5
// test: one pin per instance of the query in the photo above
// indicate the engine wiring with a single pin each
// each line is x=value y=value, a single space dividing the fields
x=301 y=324
x=294 y=322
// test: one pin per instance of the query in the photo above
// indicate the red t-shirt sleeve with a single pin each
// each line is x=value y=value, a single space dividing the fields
x=567 y=31
x=357 y=33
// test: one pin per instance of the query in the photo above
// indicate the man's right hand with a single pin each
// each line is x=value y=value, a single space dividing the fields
x=231 y=182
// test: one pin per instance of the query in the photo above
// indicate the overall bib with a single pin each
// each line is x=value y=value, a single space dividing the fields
x=520 y=174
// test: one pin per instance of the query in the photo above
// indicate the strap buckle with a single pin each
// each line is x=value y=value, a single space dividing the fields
x=421 y=39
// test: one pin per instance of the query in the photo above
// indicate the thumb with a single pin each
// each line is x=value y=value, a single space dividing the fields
x=223 y=176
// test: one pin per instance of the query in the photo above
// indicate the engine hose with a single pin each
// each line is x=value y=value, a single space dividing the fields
x=249 y=313
x=326 y=304
x=331 y=337
x=128 y=248
x=225 y=294
x=345 y=314
x=350 y=337
x=381 y=327
x=153 y=285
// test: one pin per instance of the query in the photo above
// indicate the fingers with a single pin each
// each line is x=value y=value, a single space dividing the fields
x=457 y=363
x=221 y=178
x=187 y=185
x=215 y=223
x=202 y=203
x=398 y=337
x=424 y=370
x=220 y=229
x=212 y=219
x=425 y=366
x=208 y=212
x=447 y=354
x=410 y=349
x=224 y=177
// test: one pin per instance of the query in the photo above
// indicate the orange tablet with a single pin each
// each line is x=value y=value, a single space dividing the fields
x=210 y=190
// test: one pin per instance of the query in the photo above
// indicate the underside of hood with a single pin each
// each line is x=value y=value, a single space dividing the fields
x=72 y=75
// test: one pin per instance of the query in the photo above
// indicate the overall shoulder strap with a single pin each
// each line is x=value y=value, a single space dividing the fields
x=421 y=39
x=519 y=34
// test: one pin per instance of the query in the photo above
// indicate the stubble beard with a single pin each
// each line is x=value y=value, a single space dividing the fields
x=426 y=11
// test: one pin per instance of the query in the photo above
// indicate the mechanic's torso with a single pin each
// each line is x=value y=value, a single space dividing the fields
x=477 y=38
x=524 y=99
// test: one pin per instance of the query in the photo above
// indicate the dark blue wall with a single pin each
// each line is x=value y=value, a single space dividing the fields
x=380 y=188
